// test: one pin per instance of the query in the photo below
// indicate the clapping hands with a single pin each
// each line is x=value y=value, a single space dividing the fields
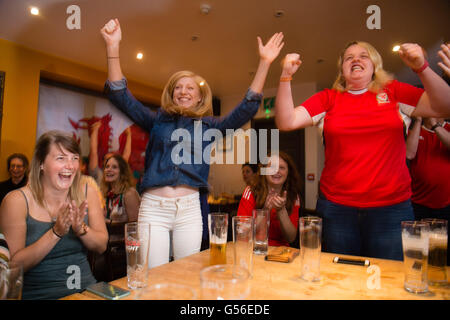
x=78 y=213
x=70 y=215
x=275 y=201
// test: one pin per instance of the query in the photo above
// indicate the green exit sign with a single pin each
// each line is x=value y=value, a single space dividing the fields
x=269 y=103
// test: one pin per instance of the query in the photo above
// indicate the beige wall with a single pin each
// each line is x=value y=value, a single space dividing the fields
x=228 y=178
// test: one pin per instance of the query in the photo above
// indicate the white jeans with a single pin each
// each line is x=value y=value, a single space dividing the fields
x=182 y=216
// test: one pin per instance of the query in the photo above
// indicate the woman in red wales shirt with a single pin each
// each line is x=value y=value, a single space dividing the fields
x=365 y=187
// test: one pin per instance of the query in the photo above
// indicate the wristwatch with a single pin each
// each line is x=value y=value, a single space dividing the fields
x=436 y=125
x=83 y=230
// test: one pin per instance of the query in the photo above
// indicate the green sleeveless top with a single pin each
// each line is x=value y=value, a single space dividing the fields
x=64 y=271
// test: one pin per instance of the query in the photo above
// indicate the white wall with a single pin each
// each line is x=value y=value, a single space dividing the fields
x=228 y=178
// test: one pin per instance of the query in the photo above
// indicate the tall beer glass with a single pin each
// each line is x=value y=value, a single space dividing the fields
x=218 y=233
x=437 y=252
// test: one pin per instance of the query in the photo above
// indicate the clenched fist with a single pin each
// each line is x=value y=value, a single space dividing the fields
x=412 y=55
x=111 y=32
x=290 y=64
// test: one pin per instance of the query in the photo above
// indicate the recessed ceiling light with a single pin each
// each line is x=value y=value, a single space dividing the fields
x=34 y=11
x=202 y=83
x=279 y=13
x=205 y=8
x=396 y=48
x=139 y=56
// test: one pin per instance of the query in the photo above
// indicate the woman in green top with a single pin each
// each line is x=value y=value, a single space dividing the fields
x=51 y=223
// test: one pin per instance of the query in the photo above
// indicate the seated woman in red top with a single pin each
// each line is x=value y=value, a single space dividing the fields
x=279 y=193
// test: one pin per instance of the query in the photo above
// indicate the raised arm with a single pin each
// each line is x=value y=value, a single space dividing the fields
x=412 y=142
x=445 y=57
x=93 y=147
x=118 y=93
x=435 y=102
x=112 y=34
x=247 y=109
x=287 y=117
x=267 y=54
x=127 y=150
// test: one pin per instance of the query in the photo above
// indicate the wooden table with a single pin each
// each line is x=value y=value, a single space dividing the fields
x=280 y=281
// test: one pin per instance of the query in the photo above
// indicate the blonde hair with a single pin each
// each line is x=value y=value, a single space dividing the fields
x=203 y=108
x=61 y=140
x=380 y=76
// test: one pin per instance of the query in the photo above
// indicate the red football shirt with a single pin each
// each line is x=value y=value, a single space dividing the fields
x=248 y=203
x=430 y=171
x=365 y=151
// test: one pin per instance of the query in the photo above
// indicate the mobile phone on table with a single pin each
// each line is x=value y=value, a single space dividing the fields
x=107 y=290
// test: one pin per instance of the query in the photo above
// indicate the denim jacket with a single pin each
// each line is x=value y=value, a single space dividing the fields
x=172 y=157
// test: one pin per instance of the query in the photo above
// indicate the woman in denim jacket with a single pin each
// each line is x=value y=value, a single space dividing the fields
x=178 y=153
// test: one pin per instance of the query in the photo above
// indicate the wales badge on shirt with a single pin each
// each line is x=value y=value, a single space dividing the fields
x=382 y=98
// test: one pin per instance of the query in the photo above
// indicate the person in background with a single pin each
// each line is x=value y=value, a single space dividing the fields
x=365 y=186
x=171 y=186
x=121 y=206
x=249 y=171
x=53 y=221
x=17 y=164
x=278 y=192
x=428 y=149
x=122 y=198
x=94 y=168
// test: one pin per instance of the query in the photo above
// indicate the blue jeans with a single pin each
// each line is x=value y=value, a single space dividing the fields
x=369 y=232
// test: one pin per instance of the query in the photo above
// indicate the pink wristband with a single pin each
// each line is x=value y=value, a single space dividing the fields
x=425 y=65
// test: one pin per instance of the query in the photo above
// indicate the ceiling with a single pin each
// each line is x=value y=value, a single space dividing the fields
x=225 y=51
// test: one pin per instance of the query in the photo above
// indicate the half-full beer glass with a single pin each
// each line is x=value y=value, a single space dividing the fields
x=218 y=233
x=437 y=252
